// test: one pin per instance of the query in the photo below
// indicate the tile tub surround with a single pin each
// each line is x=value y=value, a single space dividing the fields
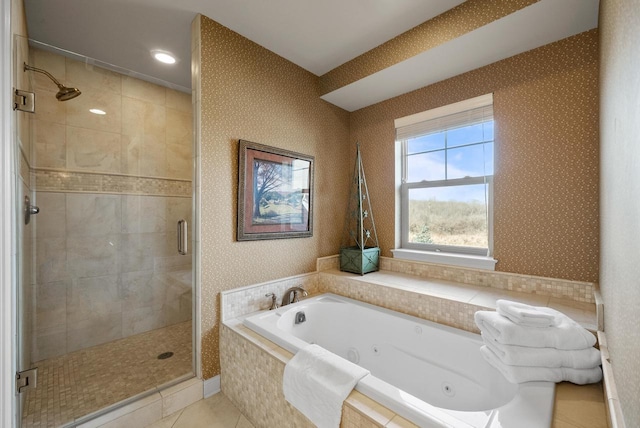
x=451 y=295
x=82 y=382
x=558 y=288
x=258 y=393
x=244 y=300
x=328 y=263
x=445 y=302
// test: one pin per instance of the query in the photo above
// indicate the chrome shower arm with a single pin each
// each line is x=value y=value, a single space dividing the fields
x=64 y=92
x=45 y=72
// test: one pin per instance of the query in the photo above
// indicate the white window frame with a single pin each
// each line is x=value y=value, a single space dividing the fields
x=404 y=221
x=447 y=254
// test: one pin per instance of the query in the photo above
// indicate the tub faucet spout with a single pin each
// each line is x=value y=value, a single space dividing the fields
x=293 y=291
x=274 y=304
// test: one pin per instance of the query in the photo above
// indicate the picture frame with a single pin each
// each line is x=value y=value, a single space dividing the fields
x=275 y=193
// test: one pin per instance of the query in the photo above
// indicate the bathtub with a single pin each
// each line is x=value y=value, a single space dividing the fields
x=430 y=374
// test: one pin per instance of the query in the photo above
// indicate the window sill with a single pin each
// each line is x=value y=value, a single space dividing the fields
x=463 y=260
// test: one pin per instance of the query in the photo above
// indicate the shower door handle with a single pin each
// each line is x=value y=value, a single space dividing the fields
x=182 y=237
x=29 y=210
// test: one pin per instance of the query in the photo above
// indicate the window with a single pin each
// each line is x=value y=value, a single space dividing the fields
x=446 y=186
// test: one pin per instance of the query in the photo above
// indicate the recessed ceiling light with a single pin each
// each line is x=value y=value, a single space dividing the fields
x=97 y=111
x=163 y=56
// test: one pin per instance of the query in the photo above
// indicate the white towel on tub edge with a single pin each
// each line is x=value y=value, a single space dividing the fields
x=317 y=381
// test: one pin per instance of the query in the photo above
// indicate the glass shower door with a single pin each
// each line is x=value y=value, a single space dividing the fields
x=24 y=232
x=112 y=295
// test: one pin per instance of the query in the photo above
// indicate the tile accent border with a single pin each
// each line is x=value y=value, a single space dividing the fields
x=51 y=180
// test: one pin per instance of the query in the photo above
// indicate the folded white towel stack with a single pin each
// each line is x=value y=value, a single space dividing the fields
x=520 y=374
x=527 y=315
x=566 y=334
x=514 y=355
x=317 y=382
x=527 y=343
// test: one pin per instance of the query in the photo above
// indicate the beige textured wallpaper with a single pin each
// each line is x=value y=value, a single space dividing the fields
x=546 y=155
x=248 y=92
x=466 y=17
x=546 y=183
x=620 y=189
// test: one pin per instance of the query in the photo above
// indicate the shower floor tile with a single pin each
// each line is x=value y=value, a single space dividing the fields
x=85 y=381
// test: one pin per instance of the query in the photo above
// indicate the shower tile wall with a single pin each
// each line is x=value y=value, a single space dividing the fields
x=111 y=189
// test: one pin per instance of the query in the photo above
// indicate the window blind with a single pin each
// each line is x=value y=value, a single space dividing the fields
x=464 y=113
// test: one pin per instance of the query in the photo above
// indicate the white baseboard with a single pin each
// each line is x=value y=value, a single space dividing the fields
x=211 y=386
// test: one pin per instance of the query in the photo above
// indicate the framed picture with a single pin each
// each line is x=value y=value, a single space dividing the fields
x=275 y=193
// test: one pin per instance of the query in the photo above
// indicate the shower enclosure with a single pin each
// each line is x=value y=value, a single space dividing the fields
x=105 y=295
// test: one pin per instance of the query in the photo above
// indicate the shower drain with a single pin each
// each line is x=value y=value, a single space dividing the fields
x=165 y=355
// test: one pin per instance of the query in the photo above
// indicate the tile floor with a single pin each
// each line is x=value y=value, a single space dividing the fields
x=575 y=407
x=579 y=406
x=85 y=381
x=213 y=412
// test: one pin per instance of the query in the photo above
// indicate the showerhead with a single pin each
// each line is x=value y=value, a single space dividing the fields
x=64 y=92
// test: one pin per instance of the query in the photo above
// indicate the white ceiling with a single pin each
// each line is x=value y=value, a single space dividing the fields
x=539 y=24
x=318 y=35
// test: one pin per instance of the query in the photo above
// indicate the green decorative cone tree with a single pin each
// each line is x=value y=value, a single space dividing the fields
x=359 y=252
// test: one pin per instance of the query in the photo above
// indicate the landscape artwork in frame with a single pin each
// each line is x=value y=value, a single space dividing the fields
x=275 y=193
